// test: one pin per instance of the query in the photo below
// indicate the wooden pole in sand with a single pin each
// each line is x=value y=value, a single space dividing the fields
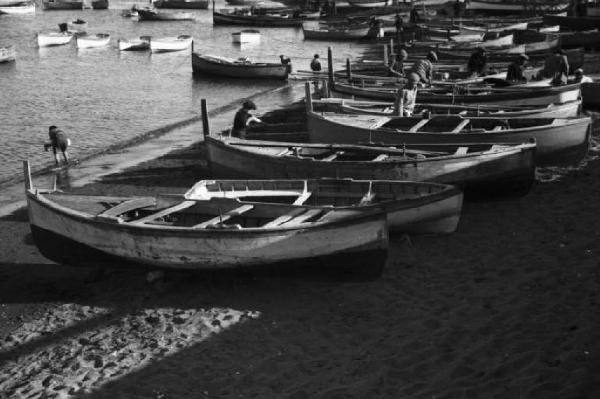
x=308 y=97
x=385 y=55
x=27 y=175
x=205 y=125
x=348 y=70
x=330 y=66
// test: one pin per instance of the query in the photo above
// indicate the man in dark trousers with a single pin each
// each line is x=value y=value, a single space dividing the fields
x=243 y=118
x=58 y=140
x=477 y=63
x=515 y=73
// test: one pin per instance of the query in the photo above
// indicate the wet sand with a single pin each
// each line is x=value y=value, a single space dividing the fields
x=507 y=307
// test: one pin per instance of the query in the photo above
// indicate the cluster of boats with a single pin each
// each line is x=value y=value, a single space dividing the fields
x=28 y=6
x=328 y=191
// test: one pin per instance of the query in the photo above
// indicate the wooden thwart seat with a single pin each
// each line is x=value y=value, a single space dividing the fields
x=127 y=206
x=164 y=212
x=333 y=156
x=301 y=218
x=461 y=150
x=461 y=125
x=224 y=217
x=419 y=125
x=302 y=198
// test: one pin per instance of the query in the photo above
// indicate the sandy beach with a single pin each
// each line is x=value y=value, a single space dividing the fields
x=507 y=307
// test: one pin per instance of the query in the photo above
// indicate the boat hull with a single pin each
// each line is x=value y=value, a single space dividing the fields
x=145 y=15
x=246 y=37
x=134 y=45
x=100 y=4
x=168 y=45
x=202 y=65
x=8 y=54
x=182 y=4
x=53 y=39
x=255 y=20
x=27 y=8
x=63 y=5
x=83 y=42
x=503 y=173
x=556 y=145
x=74 y=240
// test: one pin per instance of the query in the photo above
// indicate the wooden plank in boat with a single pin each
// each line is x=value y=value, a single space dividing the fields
x=283 y=218
x=461 y=125
x=127 y=206
x=164 y=212
x=419 y=125
x=381 y=157
x=226 y=216
x=461 y=150
x=302 y=199
x=333 y=156
x=301 y=218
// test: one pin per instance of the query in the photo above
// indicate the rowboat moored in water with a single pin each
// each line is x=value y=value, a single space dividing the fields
x=233 y=17
x=220 y=66
x=26 y=7
x=182 y=4
x=177 y=233
x=411 y=207
x=7 y=53
x=46 y=39
x=334 y=33
x=99 y=4
x=62 y=4
x=92 y=41
x=137 y=44
x=153 y=15
x=246 y=36
x=173 y=43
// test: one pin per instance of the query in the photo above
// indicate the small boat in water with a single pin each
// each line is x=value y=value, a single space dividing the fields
x=177 y=233
x=27 y=7
x=246 y=36
x=99 y=4
x=220 y=66
x=7 y=53
x=248 y=18
x=62 y=4
x=47 y=39
x=77 y=26
x=335 y=33
x=174 y=43
x=137 y=44
x=182 y=4
x=411 y=207
x=153 y=15
x=93 y=41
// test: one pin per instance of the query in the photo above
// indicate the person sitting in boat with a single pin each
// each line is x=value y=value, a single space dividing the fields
x=243 y=118
x=515 y=73
x=58 y=140
x=409 y=95
x=477 y=62
x=424 y=68
x=556 y=67
x=581 y=78
x=397 y=67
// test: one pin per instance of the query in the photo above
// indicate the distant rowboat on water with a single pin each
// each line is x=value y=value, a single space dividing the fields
x=92 y=41
x=153 y=15
x=47 y=39
x=246 y=36
x=62 y=4
x=26 y=7
x=137 y=44
x=7 y=53
x=220 y=66
x=174 y=43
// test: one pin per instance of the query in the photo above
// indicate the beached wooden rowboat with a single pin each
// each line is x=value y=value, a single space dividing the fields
x=137 y=44
x=515 y=6
x=62 y=4
x=220 y=66
x=177 y=233
x=342 y=105
x=7 y=53
x=484 y=170
x=182 y=4
x=175 y=43
x=246 y=36
x=411 y=207
x=27 y=7
x=93 y=41
x=46 y=39
x=153 y=15
x=559 y=141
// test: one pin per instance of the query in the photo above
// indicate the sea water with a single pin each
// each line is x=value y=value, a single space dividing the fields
x=102 y=97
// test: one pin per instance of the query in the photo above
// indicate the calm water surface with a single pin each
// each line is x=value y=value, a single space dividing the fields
x=101 y=97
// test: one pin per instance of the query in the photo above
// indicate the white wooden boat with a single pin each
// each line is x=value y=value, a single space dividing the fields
x=137 y=44
x=7 y=53
x=46 y=39
x=312 y=32
x=493 y=28
x=93 y=41
x=4 y=3
x=77 y=26
x=177 y=233
x=174 y=43
x=515 y=6
x=62 y=4
x=370 y=3
x=27 y=7
x=221 y=66
x=411 y=207
x=246 y=36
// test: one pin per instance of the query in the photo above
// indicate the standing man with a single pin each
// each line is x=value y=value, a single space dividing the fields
x=243 y=118
x=556 y=67
x=409 y=95
x=58 y=140
x=424 y=68
x=315 y=64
